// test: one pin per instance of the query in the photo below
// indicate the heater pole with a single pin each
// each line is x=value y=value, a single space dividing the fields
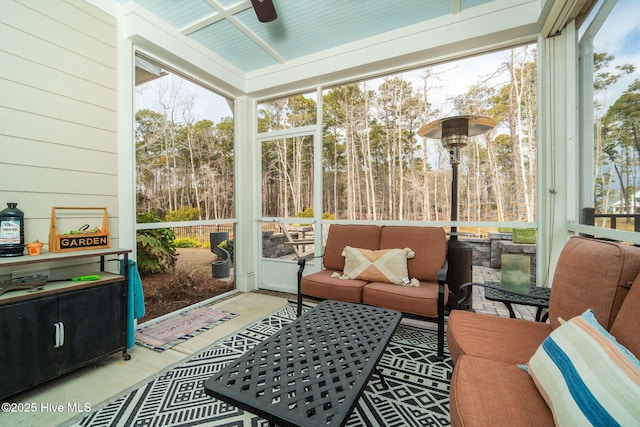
x=454 y=198
x=454 y=133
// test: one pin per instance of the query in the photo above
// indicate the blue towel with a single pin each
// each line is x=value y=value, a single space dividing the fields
x=135 y=300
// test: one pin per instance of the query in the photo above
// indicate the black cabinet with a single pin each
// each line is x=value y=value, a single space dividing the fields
x=61 y=328
x=26 y=333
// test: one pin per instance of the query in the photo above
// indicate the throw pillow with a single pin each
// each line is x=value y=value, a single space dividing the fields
x=385 y=265
x=586 y=377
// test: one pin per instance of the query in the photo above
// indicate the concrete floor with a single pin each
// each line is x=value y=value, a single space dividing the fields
x=57 y=401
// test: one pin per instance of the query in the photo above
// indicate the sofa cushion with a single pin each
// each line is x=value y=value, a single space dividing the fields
x=486 y=392
x=586 y=377
x=421 y=301
x=357 y=236
x=498 y=338
x=324 y=286
x=625 y=327
x=385 y=265
x=592 y=274
x=428 y=243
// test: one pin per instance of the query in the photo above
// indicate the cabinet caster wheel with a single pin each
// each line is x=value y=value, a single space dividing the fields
x=126 y=356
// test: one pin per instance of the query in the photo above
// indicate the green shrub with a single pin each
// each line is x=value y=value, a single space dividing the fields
x=308 y=213
x=187 y=242
x=185 y=213
x=156 y=251
x=227 y=245
x=327 y=215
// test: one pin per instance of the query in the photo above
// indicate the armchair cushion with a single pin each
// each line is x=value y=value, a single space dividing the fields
x=585 y=376
x=486 y=392
x=488 y=336
x=592 y=274
x=625 y=327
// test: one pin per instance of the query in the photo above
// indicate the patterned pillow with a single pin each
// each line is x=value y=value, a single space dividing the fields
x=385 y=265
x=586 y=377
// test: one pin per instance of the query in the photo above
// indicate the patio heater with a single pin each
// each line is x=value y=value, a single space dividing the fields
x=454 y=133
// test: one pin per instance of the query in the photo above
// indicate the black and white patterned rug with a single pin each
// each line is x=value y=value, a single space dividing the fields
x=418 y=393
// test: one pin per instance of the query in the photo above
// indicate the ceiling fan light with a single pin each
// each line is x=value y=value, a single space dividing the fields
x=265 y=10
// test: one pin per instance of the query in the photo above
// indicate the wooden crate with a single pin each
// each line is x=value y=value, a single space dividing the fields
x=78 y=242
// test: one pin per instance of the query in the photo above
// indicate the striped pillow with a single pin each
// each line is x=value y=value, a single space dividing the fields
x=586 y=377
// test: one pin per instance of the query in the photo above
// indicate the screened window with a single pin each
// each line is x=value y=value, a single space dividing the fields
x=184 y=152
x=287 y=176
x=184 y=148
x=376 y=167
x=287 y=113
x=609 y=44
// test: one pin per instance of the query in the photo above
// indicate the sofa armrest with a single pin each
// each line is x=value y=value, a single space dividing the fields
x=442 y=273
x=442 y=281
x=302 y=262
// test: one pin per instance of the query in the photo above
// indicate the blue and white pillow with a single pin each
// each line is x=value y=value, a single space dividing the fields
x=586 y=377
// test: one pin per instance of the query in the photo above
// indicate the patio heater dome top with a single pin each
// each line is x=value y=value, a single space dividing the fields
x=461 y=126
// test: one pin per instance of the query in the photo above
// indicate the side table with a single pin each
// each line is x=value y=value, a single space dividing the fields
x=536 y=297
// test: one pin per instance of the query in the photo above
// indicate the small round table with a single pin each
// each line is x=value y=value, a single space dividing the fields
x=536 y=297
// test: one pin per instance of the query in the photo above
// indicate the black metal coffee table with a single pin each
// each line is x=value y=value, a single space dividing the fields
x=312 y=371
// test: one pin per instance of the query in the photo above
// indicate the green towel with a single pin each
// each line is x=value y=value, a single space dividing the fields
x=135 y=300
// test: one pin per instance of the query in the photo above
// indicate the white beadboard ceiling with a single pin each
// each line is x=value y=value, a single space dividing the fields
x=230 y=29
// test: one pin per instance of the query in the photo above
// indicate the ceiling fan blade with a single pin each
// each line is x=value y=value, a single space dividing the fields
x=265 y=11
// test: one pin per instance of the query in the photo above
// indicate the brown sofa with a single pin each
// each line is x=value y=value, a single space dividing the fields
x=487 y=386
x=428 y=267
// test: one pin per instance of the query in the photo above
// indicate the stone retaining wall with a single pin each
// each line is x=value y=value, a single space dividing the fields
x=273 y=245
x=487 y=252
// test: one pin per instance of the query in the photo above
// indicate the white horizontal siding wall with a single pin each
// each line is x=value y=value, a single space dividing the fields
x=58 y=110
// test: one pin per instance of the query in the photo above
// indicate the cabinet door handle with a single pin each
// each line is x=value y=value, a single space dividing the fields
x=59 y=329
x=56 y=327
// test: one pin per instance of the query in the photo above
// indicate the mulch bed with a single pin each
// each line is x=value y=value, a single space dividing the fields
x=188 y=283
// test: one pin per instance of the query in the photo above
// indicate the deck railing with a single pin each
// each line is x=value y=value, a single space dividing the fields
x=590 y=215
x=201 y=232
